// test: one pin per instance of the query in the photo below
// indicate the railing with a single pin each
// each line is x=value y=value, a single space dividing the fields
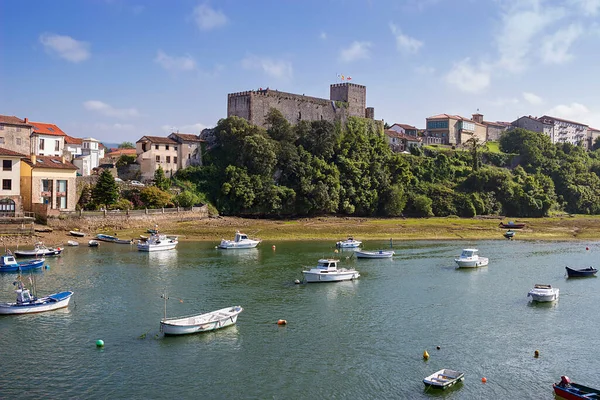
x=117 y=213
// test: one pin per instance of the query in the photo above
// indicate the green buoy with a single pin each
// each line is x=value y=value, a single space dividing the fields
x=99 y=343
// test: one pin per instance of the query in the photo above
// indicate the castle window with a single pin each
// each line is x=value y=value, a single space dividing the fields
x=299 y=115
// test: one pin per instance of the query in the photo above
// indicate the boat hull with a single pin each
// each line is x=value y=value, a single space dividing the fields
x=48 y=303
x=544 y=297
x=23 y=266
x=580 y=273
x=200 y=323
x=77 y=234
x=512 y=226
x=480 y=262
x=349 y=245
x=37 y=253
x=229 y=245
x=313 y=277
x=444 y=379
x=575 y=392
x=374 y=254
x=156 y=247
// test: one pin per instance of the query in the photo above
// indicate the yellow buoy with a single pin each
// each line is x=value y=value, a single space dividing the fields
x=282 y=322
x=536 y=353
x=426 y=355
x=335 y=251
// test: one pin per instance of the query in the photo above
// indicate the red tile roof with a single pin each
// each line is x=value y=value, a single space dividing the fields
x=50 y=162
x=187 y=137
x=12 y=120
x=405 y=126
x=121 y=152
x=73 y=140
x=393 y=133
x=157 y=140
x=458 y=117
x=10 y=153
x=47 y=129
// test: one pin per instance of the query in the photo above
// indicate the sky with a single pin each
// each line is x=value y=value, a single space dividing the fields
x=117 y=70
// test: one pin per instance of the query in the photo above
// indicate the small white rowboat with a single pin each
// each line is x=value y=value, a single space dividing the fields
x=200 y=323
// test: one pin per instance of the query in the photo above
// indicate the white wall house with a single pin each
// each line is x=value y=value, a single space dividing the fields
x=11 y=203
x=47 y=139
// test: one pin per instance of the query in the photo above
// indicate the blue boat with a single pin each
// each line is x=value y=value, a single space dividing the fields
x=9 y=264
x=112 y=239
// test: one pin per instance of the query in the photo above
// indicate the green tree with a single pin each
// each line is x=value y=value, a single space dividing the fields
x=86 y=196
x=153 y=197
x=125 y=159
x=160 y=180
x=126 y=145
x=106 y=191
x=187 y=199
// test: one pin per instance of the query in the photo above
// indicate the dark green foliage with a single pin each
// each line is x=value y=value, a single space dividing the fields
x=106 y=191
x=186 y=199
x=153 y=197
x=125 y=160
x=126 y=145
x=160 y=180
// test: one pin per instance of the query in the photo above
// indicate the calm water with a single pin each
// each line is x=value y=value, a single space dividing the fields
x=347 y=340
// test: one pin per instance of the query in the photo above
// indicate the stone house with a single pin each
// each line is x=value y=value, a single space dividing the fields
x=11 y=202
x=48 y=183
x=453 y=129
x=155 y=151
x=405 y=128
x=400 y=142
x=15 y=134
x=493 y=130
x=189 y=151
x=535 y=125
x=47 y=139
x=114 y=154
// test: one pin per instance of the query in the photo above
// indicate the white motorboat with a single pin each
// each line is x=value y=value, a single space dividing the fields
x=27 y=304
x=241 y=241
x=158 y=242
x=374 y=254
x=39 y=250
x=543 y=293
x=327 y=271
x=444 y=378
x=349 y=243
x=470 y=259
x=200 y=323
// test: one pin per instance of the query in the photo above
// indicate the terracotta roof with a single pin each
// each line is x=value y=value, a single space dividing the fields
x=560 y=119
x=405 y=126
x=12 y=120
x=497 y=123
x=47 y=129
x=10 y=153
x=393 y=133
x=73 y=140
x=187 y=137
x=157 y=139
x=120 y=152
x=593 y=129
x=444 y=116
x=50 y=162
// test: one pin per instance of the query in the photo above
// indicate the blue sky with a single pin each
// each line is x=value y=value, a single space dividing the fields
x=120 y=69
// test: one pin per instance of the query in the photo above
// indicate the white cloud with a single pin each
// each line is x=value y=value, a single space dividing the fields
x=279 y=69
x=588 y=7
x=323 y=35
x=356 y=51
x=555 y=47
x=184 y=63
x=574 y=112
x=522 y=23
x=468 y=78
x=109 y=111
x=65 y=47
x=208 y=18
x=532 y=98
x=193 y=128
x=405 y=43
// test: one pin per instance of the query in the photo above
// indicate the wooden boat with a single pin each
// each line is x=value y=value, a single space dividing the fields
x=9 y=264
x=512 y=225
x=349 y=243
x=112 y=239
x=158 y=242
x=444 y=378
x=199 y=323
x=241 y=241
x=39 y=250
x=76 y=233
x=509 y=234
x=470 y=259
x=93 y=243
x=578 y=273
x=543 y=293
x=374 y=254
x=327 y=271
x=574 y=391
x=26 y=303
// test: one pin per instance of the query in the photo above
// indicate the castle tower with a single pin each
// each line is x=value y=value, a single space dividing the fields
x=351 y=93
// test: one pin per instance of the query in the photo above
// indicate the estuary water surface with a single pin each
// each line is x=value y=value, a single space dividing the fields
x=348 y=340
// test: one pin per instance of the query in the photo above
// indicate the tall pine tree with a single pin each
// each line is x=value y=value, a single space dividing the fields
x=160 y=180
x=105 y=192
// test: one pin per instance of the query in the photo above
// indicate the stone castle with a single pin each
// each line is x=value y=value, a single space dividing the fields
x=345 y=100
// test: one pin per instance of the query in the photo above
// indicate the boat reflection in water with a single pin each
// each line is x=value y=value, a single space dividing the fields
x=162 y=258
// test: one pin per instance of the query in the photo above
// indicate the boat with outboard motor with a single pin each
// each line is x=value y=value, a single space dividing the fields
x=39 y=250
x=9 y=264
x=241 y=241
x=27 y=303
x=327 y=271
x=158 y=242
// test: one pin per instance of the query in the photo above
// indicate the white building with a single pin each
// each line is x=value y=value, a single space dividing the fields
x=47 y=139
x=11 y=202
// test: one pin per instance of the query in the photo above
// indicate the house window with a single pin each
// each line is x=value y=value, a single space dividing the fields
x=18 y=129
x=19 y=141
x=41 y=144
x=6 y=165
x=1 y=140
x=47 y=185
x=1 y=127
x=189 y=156
x=57 y=146
x=168 y=159
x=6 y=184
x=166 y=147
x=156 y=147
x=175 y=148
x=7 y=207
x=61 y=194
x=157 y=158
x=174 y=160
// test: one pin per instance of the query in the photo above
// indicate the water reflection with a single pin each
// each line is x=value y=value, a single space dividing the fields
x=333 y=290
x=241 y=255
x=163 y=258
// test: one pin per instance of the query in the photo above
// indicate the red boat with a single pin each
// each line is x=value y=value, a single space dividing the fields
x=512 y=225
x=573 y=391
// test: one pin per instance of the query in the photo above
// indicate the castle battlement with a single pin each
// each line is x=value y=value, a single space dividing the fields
x=347 y=84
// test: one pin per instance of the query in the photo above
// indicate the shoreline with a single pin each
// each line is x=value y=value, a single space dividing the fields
x=561 y=228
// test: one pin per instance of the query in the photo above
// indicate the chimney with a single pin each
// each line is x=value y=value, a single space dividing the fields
x=33 y=158
x=478 y=118
x=26 y=120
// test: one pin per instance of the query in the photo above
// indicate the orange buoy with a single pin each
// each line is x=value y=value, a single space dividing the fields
x=273 y=247
x=282 y=322
x=484 y=379
x=425 y=355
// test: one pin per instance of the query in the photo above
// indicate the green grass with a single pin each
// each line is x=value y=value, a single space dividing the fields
x=493 y=147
